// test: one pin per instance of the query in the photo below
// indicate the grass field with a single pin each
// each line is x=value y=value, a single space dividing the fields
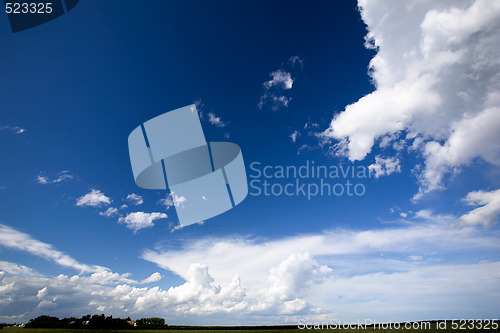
x=63 y=330
x=432 y=329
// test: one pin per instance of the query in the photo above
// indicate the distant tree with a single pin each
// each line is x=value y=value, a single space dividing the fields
x=94 y=322
x=153 y=322
x=43 y=322
x=67 y=322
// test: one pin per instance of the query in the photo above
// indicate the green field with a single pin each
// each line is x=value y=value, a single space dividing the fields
x=64 y=330
x=433 y=329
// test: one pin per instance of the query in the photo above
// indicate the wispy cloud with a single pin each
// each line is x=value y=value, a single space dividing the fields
x=294 y=136
x=109 y=212
x=296 y=61
x=309 y=125
x=135 y=199
x=304 y=148
x=281 y=81
x=12 y=238
x=172 y=200
x=214 y=120
x=427 y=233
x=59 y=178
x=384 y=166
x=210 y=116
x=14 y=129
x=94 y=198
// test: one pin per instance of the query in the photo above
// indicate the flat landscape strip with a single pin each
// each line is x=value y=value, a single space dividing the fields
x=430 y=327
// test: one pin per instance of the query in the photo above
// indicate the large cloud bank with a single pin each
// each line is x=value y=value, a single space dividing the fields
x=437 y=78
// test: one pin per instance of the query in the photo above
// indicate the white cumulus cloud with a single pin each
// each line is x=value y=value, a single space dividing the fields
x=281 y=81
x=437 y=81
x=173 y=200
x=488 y=212
x=155 y=277
x=94 y=198
x=140 y=220
x=109 y=212
x=135 y=199
x=235 y=280
x=384 y=166
x=16 y=269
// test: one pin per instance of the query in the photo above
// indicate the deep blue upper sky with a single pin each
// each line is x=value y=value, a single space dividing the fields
x=81 y=83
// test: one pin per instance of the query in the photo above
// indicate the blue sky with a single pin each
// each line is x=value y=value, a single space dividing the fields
x=411 y=98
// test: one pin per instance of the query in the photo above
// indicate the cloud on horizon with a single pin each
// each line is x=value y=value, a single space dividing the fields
x=333 y=274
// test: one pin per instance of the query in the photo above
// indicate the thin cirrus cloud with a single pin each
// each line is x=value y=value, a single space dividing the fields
x=18 y=240
x=61 y=177
x=437 y=82
x=95 y=198
x=12 y=238
x=14 y=129
x=304 y=148
x=421 y=236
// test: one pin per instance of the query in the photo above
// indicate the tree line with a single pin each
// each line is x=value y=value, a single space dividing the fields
x=95 y=322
